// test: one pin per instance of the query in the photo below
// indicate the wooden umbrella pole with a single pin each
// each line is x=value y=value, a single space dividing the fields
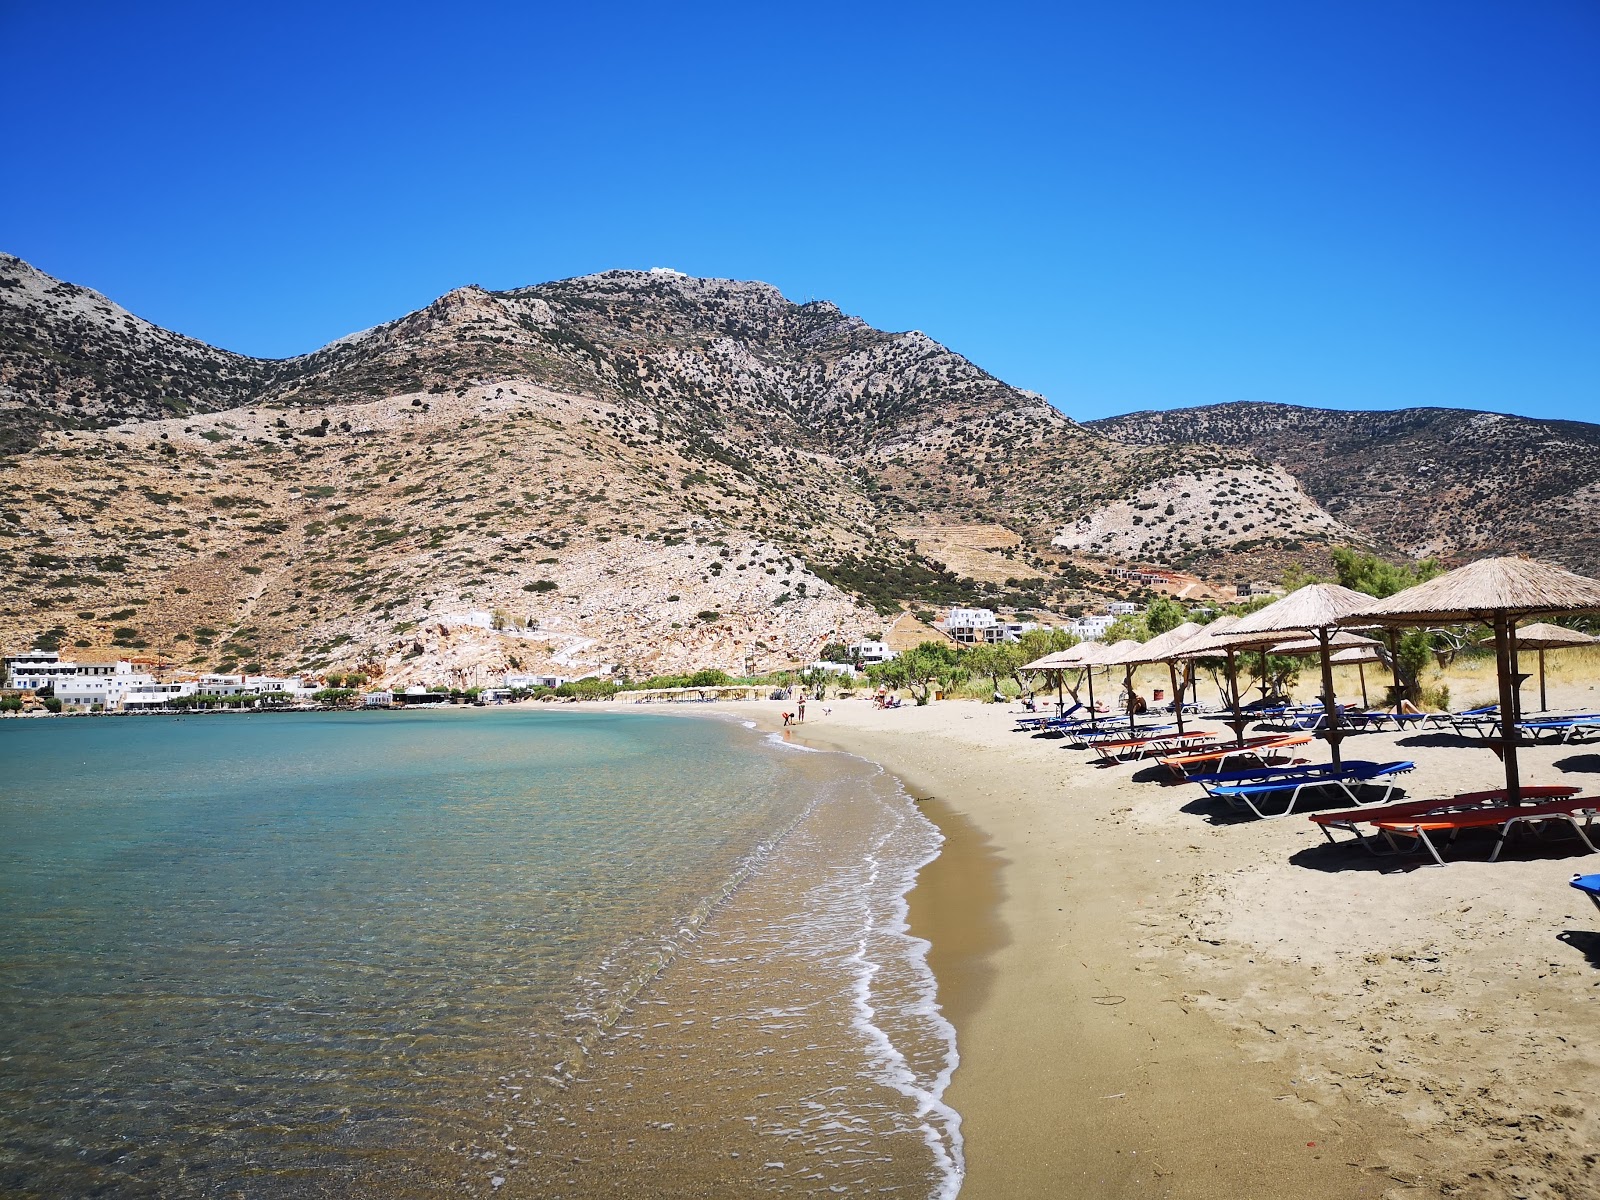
x=1177 y=694
x=1394 y=666
x=1094 y=722
x=1508 y=701
x=1266 y=687
x=1331 y=731
x=1233 y=687
x=1127 y=687
x=1361 y=670
x=1544 y=705
x=1061 y=700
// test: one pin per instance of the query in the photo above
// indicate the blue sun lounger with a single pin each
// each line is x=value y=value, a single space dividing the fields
x=1589 y=885
x=1254 y=789
x=1561 y=729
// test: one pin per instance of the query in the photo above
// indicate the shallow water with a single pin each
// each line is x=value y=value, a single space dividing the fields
x=425 y=953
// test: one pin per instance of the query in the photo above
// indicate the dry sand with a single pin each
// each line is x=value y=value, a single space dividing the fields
x=1154 y=999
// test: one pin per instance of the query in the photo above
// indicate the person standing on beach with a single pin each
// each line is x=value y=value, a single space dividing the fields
x=800 y=709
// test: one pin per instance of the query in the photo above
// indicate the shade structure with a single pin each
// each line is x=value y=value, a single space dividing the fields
x=1125 y=654
x=1316 y=609
x=1497 y=592
x=1541 y=636
x=1164 y=648
x=1339 y=640
x=1056 y=662
x=1358 y=657
x=1215 y=640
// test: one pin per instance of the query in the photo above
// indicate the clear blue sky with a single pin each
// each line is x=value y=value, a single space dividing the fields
x=1123 y=206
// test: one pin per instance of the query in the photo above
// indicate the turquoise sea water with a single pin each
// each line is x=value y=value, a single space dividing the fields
x=415 y=954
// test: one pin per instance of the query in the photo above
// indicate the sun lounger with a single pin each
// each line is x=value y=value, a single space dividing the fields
x=1349 y=820
x=1117 y=749
x=1118 y=731
x=1589 y=885
x=1296 y=781
x=1467 y=719
x=1262 y=749
x=1578 y=814
x=1561 y=729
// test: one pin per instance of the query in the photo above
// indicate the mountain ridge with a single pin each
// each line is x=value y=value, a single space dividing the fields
x=653 y=470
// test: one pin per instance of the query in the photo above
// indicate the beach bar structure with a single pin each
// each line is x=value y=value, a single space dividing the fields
x=1497 y=592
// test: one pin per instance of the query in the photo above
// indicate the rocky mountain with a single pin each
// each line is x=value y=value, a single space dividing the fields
x=1417 y=482
x=637 y=468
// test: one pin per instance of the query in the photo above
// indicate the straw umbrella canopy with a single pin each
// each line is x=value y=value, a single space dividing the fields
x=1098 y=654
x=1543 y=636
x=1221 y=637
x=1126 y=654
x=1316 y=609
x=1497 y=592
x=1349 y=649
x=1162 y=649
x=1054 y=664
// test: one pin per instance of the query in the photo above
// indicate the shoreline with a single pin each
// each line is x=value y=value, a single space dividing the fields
x=1151 y=1001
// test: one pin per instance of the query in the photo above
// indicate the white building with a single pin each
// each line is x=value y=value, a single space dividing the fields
x=1012 y=631
x=1090 y=629
x=262 y=684
x=22 y=669
x=106 y=690
x=530 y=682
x=1122 y=608
x=972 y=625
x=833 y=667
x=153 y=695
x=868 y=652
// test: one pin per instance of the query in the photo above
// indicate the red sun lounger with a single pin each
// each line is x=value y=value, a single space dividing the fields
x=1262 y=749
x=1140 y=747
x=1578 y=814
x=1349 y=819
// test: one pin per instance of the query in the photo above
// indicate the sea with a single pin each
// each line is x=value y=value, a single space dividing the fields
x=503 y=952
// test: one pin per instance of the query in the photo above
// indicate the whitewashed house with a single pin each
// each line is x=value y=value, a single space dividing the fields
x=972 y=626
x=105 y=689
x=153 y=695
x=868 y=651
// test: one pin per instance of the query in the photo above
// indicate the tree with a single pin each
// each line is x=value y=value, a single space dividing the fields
x=1371 y=574
x=837 y=652
x=919 y=668
x=1163 y=613
x=816 y=680
x=1132 y=626
x=1034 y=645
x=995 y=662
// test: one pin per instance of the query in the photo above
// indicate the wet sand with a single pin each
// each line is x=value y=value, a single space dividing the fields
x=1155 y=1001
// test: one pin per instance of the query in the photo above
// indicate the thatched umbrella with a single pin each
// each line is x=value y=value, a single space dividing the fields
x=1163 y=649
x=1122 y=654
x=1218 y=638
x=1359 y=656
x=1497 y=592
x=1317 y=609
x=1542 y=636
x=1055 y=663
x=1349 y=649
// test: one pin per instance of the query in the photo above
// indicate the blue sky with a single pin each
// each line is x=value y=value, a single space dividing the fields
x=1123 y=206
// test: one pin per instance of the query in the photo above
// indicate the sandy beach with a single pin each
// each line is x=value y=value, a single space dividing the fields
x=1154 y=998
